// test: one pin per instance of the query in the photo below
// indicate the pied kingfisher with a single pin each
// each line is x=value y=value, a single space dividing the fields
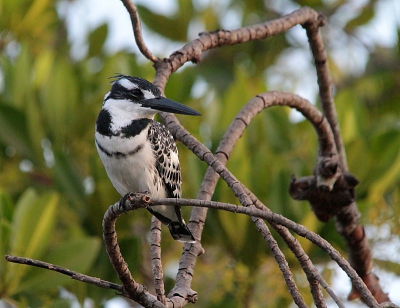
x=138 y=153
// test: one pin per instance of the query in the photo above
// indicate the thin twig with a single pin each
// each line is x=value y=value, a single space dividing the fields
x=281 y=260
x=137 y=30
x=308 y=267
x=74 y=275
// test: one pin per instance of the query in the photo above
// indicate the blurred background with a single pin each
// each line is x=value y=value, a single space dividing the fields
x=56 y=58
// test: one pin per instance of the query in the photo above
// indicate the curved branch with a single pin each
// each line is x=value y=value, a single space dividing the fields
x=134 y=290
x=242 y=121
x=235 y=131
x=208 y=40
x=137 y=30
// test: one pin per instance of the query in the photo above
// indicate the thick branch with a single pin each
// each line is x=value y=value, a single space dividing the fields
x=156 y=264
x=325 y=86
x=135 y=290
x=347 y=219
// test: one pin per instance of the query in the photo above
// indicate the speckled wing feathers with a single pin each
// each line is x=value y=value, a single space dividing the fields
x=167 y=161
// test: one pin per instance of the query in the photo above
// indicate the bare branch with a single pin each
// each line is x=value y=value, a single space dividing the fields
x=74 y=275
x=208 y=40
x=134 y=290
x=325 y=84
x=280 y=220
x=281 y=260
x=156 y=264
x=235 y=131
x=137 y=30
x=308 y=267
x=347 y=219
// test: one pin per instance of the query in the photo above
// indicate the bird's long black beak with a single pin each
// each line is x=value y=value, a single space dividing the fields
x=166 y=105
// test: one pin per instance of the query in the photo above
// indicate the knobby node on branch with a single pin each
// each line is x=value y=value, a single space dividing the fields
x=330 y=190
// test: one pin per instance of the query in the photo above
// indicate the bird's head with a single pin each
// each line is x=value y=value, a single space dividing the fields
x=139 y=97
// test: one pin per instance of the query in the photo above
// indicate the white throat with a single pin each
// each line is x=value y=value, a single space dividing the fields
x=123 y=112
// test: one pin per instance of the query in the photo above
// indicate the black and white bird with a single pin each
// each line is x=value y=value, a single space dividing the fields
x=138 y=153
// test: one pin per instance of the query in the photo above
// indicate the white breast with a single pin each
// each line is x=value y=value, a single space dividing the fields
x=131 y=171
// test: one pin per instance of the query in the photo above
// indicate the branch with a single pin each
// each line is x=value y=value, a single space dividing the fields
x=156 y=265
x=280 y=259
x=137 y=30
x=325 y=84
x=308 y=267
x=74 y=275
x=134 y=203
x=347 y=219
x=192 y=51
x=134 y=290
x=310 y=20
x=233 y=133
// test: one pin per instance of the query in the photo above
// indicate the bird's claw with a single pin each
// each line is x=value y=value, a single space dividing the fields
x=122 y=201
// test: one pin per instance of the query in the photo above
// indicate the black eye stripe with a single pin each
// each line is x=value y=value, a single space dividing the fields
x=120 y=92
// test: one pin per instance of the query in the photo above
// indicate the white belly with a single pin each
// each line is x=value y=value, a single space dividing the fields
x=133 y=172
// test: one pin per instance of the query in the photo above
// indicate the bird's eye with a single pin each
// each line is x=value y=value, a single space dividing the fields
x=137 y=93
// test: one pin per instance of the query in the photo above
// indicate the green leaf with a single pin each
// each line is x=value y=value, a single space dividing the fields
x=5 y=232
x=77 y=254
x=68 y=179
x=32 y=227
x=21 y=226
x=34 y=13
x=6 y=206
x=14 y=131
x=60 y=102
x=33 y=223
x=21 y=78
x=366 y=15
x=161 y=24
x=96 y=40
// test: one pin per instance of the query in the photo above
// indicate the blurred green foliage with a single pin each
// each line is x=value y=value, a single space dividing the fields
x=54 y=190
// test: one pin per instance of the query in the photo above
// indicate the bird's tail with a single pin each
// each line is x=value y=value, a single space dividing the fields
x=180 y=232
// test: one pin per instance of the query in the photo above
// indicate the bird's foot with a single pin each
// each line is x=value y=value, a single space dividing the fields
x=123 y=200
x=133 y=198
